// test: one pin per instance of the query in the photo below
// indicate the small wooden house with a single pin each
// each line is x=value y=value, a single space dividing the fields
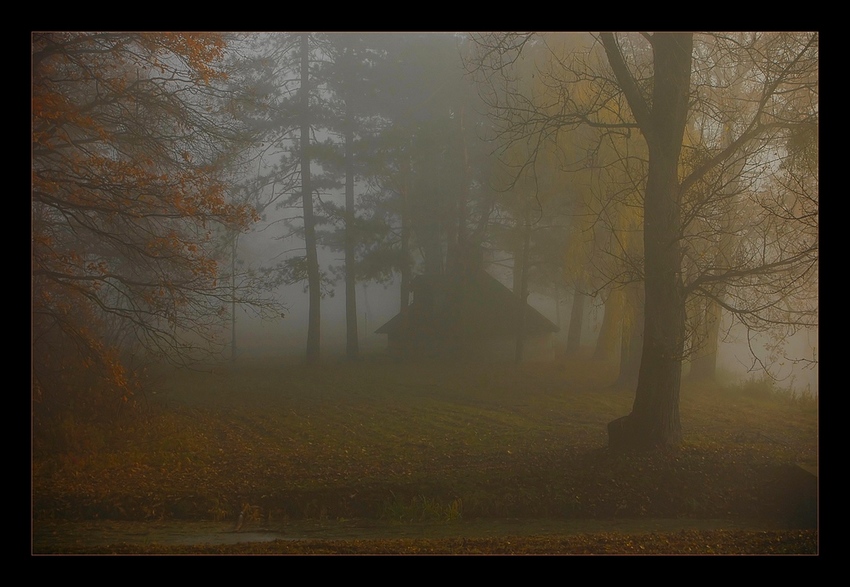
x=469 y=315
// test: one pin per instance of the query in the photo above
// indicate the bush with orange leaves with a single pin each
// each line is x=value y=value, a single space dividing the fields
x=130 y=145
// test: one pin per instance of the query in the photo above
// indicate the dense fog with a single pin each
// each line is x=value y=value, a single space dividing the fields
x=280 y=278
x=742 y=352
x=285 y=337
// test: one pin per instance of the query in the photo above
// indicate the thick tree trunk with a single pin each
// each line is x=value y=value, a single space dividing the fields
x=654 y=420
x=313 y=277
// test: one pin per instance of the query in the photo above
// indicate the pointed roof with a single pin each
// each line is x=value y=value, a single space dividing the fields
x=476 y=304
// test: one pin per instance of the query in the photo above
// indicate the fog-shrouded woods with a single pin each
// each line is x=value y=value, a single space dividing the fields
x=648 y=201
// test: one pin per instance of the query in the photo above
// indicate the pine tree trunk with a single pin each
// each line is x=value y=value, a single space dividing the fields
x=352 y=348
x=404 y=288
x=313 y=277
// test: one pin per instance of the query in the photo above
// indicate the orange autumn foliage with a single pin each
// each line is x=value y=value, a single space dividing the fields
x=128 y=153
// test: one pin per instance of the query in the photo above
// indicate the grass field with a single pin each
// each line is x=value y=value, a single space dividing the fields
x=428 y=441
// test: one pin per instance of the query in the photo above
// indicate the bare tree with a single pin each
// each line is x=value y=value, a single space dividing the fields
x=751 y=249
x=131 y=149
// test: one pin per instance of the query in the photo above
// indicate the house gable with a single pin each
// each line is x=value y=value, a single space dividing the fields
x=463 y=313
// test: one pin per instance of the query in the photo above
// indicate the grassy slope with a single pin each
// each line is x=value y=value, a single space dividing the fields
x=424 y=441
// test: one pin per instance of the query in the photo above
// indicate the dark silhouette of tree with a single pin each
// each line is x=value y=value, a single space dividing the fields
x=288 y=109
x=313 y=276
x=353 y=115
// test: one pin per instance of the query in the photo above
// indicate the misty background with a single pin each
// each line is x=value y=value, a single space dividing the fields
x=276 y=238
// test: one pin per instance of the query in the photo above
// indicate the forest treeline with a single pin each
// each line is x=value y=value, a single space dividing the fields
x=674 y=177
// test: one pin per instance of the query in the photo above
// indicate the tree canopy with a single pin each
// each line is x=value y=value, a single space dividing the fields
x=130 y=149
x=686 y=162
x=723 y=118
